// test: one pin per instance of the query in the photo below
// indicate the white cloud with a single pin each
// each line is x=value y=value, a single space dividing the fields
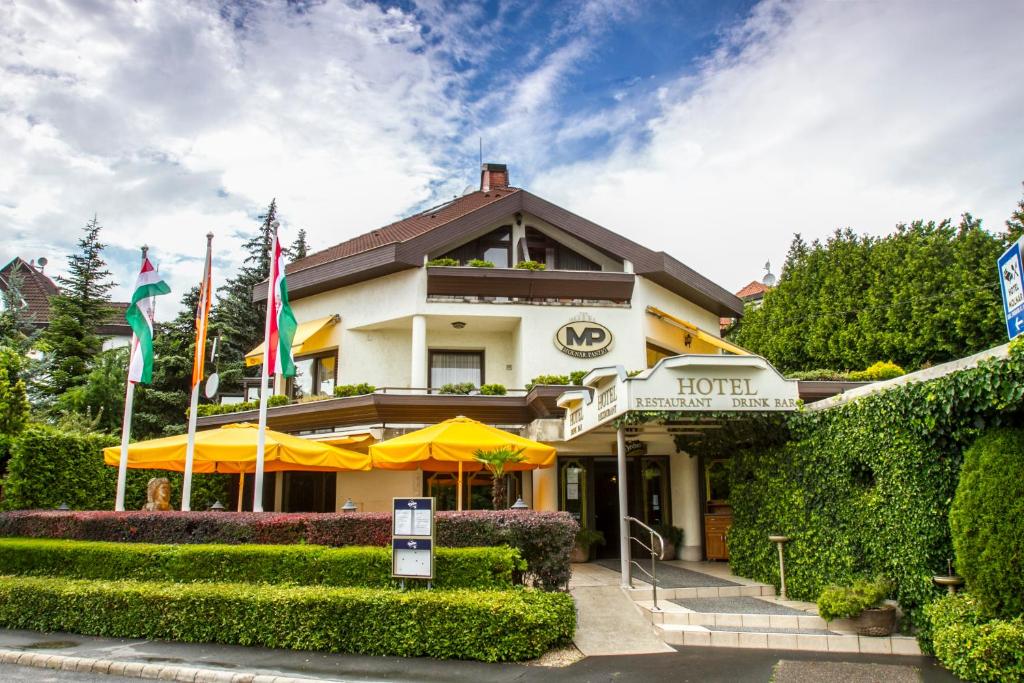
x=814 y=116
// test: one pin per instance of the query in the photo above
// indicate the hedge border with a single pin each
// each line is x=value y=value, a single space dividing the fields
x=490 y=626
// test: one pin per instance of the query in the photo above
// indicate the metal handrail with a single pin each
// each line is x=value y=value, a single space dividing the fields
x=655 y=556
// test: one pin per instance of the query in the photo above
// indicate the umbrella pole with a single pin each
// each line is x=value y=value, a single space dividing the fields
x=241 y=488
x=458 y=496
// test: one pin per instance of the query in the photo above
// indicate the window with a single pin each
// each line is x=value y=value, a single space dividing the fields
x=314 y=376
x=495 y=246
x=554 y=255
x=456 y=367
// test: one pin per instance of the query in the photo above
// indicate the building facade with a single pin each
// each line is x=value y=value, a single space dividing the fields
x=434 y=306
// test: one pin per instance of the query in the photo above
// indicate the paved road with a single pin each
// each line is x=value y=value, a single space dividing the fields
x=704 y=665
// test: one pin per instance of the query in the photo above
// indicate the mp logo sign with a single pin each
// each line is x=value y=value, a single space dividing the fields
x=583 y=339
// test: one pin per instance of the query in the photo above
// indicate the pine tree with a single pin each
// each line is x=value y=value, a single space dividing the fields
x=16 y=329
x=299 y=248
x=237 y=320
x=14 y=406
x=82 y=306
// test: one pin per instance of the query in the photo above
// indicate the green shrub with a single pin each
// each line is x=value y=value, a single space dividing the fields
x=207 y=409
x=821 y=375
x=846 y=602
x=987 y=522
x=576 y=376
x=531 y=265
x=442 y=262
x=463 y=388
x=50 y=466
x=555 y=380
x=302 y=565
x=588 y=537
x=973 y=647
x=493 y=389
x=465 y=624
x=345 y=390
x=480 y=263
x=878 y=372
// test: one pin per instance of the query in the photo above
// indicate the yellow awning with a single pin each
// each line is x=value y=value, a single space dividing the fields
x=697 y=332
x=308 y=338
x=232 y=449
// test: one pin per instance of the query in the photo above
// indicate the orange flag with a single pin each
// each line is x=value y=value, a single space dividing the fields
x=203 y=317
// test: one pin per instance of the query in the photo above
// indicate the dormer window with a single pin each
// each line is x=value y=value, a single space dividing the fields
x=552 y=254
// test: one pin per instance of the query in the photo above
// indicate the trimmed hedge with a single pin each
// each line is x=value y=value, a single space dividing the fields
x=302 y=565
x=987 y=521
x=972 y=647
x=466 y=624
x=50 y=466
x=544 y=539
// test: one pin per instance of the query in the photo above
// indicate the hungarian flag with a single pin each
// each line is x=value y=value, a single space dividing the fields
x=280 y=320
x=140 y=316
x=202 y=321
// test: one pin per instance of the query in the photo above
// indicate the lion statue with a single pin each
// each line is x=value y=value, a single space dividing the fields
x=158 y=494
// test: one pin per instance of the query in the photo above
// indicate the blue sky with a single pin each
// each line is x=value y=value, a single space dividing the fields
x=711 y=130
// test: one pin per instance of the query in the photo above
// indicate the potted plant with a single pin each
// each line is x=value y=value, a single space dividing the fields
x=673 y=537
x=863 y=603
x=584 y=539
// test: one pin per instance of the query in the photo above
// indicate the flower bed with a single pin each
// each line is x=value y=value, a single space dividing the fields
x=544 y=539
x=466 y=624
x=303 y=565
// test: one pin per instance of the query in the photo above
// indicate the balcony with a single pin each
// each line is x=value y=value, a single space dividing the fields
x=530 y=285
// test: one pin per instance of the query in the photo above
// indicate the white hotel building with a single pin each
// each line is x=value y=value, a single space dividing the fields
x=372 y=311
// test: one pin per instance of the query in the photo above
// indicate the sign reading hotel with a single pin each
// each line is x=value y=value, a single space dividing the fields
x=583 y=338
x=1011 y=283
x=689 y=383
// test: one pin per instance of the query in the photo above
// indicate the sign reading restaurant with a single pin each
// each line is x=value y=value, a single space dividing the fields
x=582 y=337
x=694 y=383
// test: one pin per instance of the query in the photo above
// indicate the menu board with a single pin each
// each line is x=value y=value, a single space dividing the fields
x=412 y=538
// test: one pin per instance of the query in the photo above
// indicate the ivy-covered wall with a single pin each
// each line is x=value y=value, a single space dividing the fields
x=864 y=488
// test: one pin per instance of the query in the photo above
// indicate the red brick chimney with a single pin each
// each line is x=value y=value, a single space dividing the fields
x=493 y=177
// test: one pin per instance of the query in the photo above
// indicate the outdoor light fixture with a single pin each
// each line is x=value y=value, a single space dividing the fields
x=519 y=218
x=520 y=505
x=687 y=340
x=458 y=324
x=349 y=506
x=217 y=506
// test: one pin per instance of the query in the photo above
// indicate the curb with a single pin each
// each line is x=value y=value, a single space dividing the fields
x=138 y=670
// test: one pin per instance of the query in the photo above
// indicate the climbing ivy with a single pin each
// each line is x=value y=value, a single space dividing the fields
x=864 y=489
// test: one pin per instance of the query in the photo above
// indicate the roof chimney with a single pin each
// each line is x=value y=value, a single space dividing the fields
x=493 y=176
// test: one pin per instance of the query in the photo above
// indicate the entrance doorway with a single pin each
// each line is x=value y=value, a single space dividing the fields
x=647 y=482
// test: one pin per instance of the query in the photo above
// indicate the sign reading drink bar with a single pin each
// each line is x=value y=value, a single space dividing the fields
x=688 y=383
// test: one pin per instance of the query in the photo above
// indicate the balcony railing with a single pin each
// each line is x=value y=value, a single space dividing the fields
x=530 y=285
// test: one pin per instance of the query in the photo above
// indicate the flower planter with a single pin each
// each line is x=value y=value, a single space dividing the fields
x=876 y=621
x=579 y=554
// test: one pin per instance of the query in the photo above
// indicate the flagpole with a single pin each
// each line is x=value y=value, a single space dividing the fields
x=261 y=435
x=126 y=423
x=200 y=354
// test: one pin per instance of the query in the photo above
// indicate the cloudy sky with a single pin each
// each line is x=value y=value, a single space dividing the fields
x=711 y=129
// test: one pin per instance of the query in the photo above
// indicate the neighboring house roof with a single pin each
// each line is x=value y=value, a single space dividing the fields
x=404 y=244
x=755 y=290
x=37 y=288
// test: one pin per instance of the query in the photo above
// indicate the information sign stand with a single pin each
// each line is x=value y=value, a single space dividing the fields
x=412 y=538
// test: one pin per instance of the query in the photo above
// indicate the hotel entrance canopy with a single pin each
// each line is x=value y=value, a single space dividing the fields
x=690 y=384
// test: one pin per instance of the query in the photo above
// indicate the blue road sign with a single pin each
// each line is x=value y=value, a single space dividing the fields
x=1011 y=283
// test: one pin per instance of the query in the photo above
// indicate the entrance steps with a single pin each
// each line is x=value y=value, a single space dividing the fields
x=749 y=615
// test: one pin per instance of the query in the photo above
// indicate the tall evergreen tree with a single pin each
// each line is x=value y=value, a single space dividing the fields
x=237 y=320
x=299 y=248
x=83 y=304
x=16 y=329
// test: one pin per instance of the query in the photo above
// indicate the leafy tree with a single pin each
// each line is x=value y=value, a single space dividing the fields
x=14 y=406
x=99 y=400
x=496 y=461
x=82 y=305
x=237 y=320
x=299 y=248
x=925 y=294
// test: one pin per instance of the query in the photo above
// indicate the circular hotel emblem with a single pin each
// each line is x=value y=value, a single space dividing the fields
x=583 y=339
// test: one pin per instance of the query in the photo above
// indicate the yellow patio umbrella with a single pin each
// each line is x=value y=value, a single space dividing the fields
x=449 y=446
x=232 y=450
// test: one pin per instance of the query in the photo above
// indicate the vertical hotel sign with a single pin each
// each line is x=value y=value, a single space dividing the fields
x=1011 y=283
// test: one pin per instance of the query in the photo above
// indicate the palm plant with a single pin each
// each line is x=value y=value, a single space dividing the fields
x=496 y=461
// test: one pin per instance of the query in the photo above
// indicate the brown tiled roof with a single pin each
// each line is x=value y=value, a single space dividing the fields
x=405 y=229
x=36 y=289
x=752 y=290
